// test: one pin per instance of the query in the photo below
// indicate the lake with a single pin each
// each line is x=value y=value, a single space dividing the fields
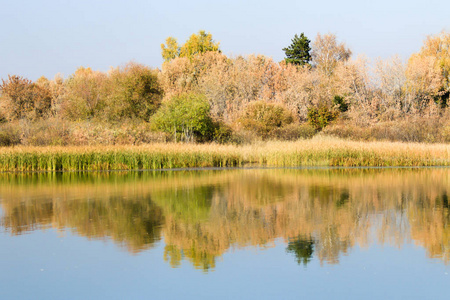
x=226 y=234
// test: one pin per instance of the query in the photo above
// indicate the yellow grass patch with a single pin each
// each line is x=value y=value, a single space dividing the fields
x=319 y=151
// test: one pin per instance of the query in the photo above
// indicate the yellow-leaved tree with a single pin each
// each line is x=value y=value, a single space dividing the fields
x=170 y=49
x=196 y=44
x=428 y=71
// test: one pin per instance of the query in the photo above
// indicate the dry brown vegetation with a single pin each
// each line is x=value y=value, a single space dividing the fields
x=337 y=94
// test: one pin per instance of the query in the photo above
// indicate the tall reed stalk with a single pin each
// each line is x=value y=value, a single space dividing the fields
x=319 y=151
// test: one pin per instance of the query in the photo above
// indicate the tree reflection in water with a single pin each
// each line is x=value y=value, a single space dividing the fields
x=302 y=248
x=203 y=214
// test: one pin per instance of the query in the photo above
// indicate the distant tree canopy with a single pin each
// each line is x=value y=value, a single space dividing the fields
x=196 y=44
x=327 y=53
x=428 y=71
x=135 y=92
x=131 y=91
x=23 y=98
x=298 y=53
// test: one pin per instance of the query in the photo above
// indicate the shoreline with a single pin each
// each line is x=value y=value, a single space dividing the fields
x=305 y=168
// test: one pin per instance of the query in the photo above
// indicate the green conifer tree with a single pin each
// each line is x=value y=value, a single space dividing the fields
x=298 y=53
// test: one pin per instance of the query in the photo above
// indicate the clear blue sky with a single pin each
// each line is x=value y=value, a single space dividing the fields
x=45 y=37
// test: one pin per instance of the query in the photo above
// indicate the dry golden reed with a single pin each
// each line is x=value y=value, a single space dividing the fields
x=319 y=151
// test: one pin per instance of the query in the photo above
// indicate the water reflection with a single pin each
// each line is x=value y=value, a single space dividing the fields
x=320 y=214
x=302 y=248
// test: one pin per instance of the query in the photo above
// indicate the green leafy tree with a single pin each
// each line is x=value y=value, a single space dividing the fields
x=186 y=116
x=298 y=53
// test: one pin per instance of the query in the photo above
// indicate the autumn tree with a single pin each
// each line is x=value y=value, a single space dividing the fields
x=23 y=98
x=428 y=72
x=199 y=43
x=298 y=53
x=196 y=44
x=134 y=93
x=170 y=49
x=85 y=94
x=327 y=53
x=439 y=47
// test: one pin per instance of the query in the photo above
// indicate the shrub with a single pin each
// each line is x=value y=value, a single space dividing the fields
x=243 y=137
x=186 y=116
x=9 y=134
x=262 y=117
x=413 y=129
x=48 y=132
x=293 y=132
x=319 y=117
x=222 y=133
x=340 y=102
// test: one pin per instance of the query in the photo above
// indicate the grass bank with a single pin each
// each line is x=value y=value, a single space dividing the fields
x=319 y=151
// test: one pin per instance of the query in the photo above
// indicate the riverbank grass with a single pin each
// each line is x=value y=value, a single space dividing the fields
x=319 y=151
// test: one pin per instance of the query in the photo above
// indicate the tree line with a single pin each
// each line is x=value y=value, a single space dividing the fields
x=200 y=94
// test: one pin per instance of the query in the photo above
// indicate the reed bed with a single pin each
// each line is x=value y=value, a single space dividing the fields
x=319 y=151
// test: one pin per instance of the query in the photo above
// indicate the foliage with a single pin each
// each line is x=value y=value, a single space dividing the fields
x=9 y=134
x=340 y=102
x=263 y=118
x=298 y=53
x=186 y=116
x=114 y=107
x=196 y=44
x=199 y=43
x=428 y=72
x=222 y=133
x=170 y=50
x=320 y=117
x=85 y=94
x=438 y=46
x=135 y=92
x=24 y=98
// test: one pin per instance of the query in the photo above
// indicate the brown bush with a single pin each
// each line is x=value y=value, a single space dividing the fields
x=262 y=118
x=293 y=132
x=413 y=129
x=9 y=134
x=47 y=132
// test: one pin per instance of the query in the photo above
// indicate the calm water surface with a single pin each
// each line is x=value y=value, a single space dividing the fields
x=233 y=234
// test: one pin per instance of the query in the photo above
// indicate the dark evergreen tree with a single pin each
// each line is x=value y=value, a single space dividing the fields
x=298 y=53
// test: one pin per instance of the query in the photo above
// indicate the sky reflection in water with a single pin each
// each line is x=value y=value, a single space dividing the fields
x=234 y=233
